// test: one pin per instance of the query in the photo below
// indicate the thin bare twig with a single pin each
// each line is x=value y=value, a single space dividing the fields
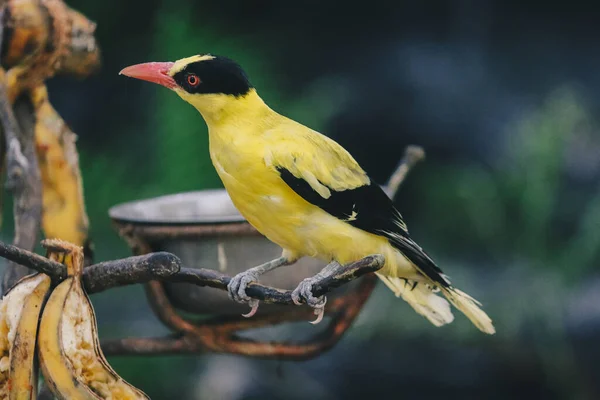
x=340 y=276
x=412 y=155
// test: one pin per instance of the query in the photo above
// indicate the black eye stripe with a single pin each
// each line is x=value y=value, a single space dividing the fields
x=217 y=75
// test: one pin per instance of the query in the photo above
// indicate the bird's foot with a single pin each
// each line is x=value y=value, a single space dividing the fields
x=238 y=284
x=303 y=294
x=237 y=290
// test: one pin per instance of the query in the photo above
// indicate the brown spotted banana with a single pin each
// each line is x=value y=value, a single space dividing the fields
x=71 y=360
x=19 y=316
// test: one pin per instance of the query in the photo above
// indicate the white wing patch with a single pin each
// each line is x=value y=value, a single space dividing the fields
x=352 y=216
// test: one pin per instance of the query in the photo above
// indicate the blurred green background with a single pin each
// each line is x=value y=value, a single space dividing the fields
x=503 y=96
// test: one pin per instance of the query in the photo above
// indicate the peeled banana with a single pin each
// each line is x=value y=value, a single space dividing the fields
x=64 y=215
x=19 y=314
x=68 y=347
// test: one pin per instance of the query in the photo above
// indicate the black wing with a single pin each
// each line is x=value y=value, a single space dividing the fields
x=370 y=209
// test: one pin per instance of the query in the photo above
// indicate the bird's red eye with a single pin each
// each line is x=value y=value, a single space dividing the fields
x=193 y=80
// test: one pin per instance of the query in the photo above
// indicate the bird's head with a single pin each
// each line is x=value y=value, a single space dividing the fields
x=209 y=83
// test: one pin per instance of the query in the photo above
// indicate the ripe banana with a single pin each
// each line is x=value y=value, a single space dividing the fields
x=19 y=314
x=68 y=347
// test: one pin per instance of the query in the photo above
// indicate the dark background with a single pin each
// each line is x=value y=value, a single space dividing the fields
x=503 y=96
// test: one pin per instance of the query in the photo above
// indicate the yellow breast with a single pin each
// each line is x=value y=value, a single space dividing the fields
x=256 y=190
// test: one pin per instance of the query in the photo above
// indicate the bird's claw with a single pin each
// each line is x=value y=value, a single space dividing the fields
x=237 y=290
x=303 y=294
x=253 y=303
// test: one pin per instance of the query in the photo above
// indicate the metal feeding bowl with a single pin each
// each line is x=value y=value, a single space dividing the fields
x=205 y=230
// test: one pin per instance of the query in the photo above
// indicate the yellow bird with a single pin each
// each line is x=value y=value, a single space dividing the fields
x=303 y=191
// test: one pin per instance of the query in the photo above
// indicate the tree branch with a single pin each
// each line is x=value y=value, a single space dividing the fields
x=167 y=267
x=53 y=269
x=127 y=271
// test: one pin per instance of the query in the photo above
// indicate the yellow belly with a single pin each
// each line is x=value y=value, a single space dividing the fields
x=301 y=228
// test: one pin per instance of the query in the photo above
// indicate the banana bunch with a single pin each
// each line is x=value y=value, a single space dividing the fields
x=67 y=339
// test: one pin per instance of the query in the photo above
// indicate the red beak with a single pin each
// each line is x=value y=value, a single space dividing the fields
x=156 y=72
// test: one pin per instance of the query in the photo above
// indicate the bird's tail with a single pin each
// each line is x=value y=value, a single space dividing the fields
x=436 y=309
x=422 y=298
x=470 y=307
